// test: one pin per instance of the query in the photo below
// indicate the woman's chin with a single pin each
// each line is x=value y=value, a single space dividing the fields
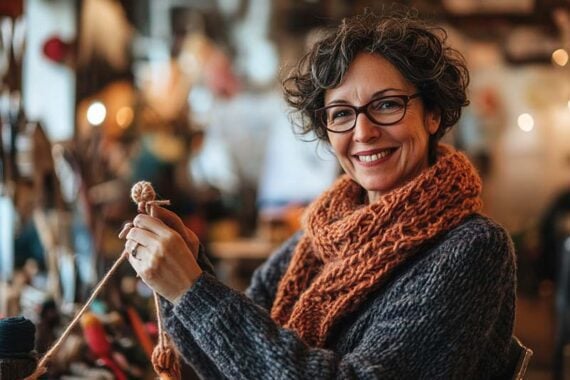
x=378 y=188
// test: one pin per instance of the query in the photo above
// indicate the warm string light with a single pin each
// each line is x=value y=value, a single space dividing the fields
x=526 y=122
x=560 y=57
x=96 y=113
x=124 y=117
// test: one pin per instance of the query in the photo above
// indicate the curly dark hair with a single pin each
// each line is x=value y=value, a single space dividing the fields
x=414 y=47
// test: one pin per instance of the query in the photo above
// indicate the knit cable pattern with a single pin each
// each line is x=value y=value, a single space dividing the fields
x=349 y=250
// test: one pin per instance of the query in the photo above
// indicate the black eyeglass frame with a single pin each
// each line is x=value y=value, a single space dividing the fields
x=364 y=109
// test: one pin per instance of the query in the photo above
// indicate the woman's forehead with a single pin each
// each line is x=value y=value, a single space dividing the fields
x=367 y=75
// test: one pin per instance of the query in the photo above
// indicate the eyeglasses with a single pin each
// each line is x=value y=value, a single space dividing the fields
x=387 y=110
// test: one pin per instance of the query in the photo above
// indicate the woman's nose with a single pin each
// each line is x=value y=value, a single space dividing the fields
x=365 y=130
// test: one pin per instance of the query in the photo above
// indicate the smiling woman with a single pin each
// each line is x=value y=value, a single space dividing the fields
x=415 y=49
x=395 y=274
x=389 y=146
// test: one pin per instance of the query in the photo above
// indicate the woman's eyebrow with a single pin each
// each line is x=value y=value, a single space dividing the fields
x=374 y=95
x=382 y=92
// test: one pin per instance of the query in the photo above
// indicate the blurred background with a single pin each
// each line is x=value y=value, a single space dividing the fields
x=98 y=94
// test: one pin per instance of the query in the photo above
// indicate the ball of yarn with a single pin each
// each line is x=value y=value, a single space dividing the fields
x=165 y=362
x=17 y=368
x=16 y=337
x=17 y=359
x=142 y=191
x=142 y=194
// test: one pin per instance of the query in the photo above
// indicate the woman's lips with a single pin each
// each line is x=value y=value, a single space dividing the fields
x=370 y=158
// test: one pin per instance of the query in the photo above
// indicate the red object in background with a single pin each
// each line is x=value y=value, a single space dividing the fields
x=11 y=8
x=56 y=50
x=96 y=339
x=152 y=329
x=140 y=331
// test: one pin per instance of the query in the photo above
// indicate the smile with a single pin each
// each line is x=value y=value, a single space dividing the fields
x=375 y=156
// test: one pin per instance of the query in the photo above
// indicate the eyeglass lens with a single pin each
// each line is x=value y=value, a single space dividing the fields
x=383 y=111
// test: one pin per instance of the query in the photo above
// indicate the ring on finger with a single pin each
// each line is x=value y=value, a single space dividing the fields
x=134 y=250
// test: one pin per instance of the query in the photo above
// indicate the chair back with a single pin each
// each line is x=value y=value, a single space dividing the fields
x=523 y=360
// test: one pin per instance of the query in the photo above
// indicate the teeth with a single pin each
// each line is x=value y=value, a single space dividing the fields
x=374 y=157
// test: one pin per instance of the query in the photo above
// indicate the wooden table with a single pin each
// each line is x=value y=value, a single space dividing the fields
x=250 y=248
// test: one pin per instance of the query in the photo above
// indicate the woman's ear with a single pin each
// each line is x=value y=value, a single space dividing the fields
x=432 y=121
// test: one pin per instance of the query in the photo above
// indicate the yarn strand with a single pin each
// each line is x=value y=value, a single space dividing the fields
x=164 y=357
x=42 y=365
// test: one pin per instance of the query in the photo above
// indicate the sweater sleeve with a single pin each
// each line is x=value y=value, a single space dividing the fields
x=199 y=360
x=205 y=265
x=265 y=279
x=433 y=323
x=203 y=261
x=262 y=290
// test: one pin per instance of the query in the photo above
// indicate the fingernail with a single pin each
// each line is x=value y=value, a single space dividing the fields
x=126 y=228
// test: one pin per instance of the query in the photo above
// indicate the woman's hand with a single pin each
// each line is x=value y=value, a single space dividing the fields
x=165 y=253
x=173 y=221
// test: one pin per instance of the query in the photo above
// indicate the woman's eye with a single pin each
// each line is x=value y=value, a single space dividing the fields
x=340 y=113
x=387 y=105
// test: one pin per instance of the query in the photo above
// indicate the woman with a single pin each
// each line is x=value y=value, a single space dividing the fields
x=395 y=275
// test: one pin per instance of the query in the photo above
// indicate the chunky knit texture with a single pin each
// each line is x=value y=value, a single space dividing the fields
x=441 y=308
x=348 y=250
x=416 y=285
x=447 y=313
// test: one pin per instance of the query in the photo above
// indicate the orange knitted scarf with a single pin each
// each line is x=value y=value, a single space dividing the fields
x=350 y=249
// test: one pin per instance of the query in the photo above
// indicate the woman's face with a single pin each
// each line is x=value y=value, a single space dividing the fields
x=380 y=158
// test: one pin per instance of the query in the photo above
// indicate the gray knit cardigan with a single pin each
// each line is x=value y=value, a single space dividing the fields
x=446 y=315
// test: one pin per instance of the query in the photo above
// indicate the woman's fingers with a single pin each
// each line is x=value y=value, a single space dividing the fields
x=152 y=233
x=142 y=264
x=168 y=217
x=132 y=247
x=154 y=225
x=126 y=228
x=163 y=223
x=166 y=265
x=162 y=252
x=173 y=221
x=143 y=237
